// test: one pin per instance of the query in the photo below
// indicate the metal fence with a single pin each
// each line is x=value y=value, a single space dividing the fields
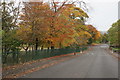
x=23 y=57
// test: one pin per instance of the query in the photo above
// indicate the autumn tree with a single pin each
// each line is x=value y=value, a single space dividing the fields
x=94 y=32
x=34 y=20
x=71 y=15
x=58 y=24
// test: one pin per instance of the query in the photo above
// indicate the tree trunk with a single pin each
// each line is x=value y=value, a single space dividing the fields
x=48 y=48
x=5 y=54
x=60 y=45
x=36 y=46
x=41 y=47
x=26 y=51
x=32 y=51
x=32 y=48
x=17 y=56
x=52 y=47
x=5 y=59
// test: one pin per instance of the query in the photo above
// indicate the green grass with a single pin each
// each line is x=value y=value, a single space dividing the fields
x=116 y=48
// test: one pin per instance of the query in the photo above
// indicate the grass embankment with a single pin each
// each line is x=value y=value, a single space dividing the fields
x=117 y=50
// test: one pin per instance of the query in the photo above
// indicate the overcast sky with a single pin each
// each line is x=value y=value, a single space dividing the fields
x=102 y=13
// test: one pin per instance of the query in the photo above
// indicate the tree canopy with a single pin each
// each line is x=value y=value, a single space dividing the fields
x=113 y=34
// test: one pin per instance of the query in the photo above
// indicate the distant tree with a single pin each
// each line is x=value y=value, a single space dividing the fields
x=95 y=34
x=105 y=38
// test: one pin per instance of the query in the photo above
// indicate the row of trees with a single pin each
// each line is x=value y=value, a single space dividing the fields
x=45 y=25
x=113 y=34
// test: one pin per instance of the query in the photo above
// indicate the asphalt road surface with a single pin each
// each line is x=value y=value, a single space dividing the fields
x=96 y=63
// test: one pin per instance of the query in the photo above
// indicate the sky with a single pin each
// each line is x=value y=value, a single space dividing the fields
x=103 y=13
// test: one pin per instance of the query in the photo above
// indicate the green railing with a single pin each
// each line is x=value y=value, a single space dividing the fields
x=23 y=57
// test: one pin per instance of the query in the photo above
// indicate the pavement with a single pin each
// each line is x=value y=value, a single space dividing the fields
x=95 y=63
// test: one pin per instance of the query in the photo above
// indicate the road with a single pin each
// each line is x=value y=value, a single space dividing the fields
x=96 y=63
